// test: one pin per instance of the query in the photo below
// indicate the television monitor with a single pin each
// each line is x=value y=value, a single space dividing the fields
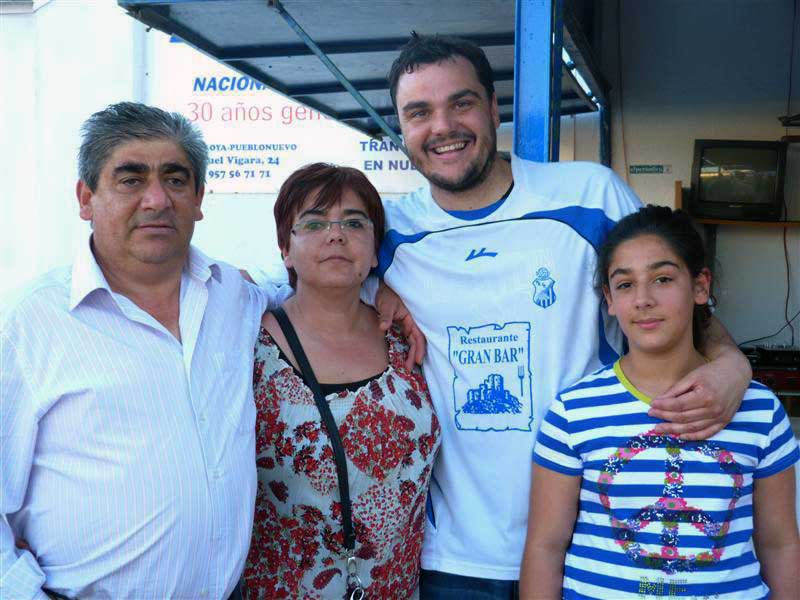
x=738 y=179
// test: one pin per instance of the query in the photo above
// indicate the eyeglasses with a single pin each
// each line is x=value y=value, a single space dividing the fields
x=313 y=226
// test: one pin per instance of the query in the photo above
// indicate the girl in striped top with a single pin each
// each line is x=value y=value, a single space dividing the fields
x=620 y=510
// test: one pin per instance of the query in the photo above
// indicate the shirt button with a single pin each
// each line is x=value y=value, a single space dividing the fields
x=201 y=419
x=204 y=593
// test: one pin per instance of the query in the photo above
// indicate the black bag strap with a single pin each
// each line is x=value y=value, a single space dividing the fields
x=327 y=419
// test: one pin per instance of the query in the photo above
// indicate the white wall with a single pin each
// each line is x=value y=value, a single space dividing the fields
x=58 y=64
x=580 y=138
x=712 y=69
x=689 y=70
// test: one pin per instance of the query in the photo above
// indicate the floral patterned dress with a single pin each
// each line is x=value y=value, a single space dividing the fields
x=390 y=436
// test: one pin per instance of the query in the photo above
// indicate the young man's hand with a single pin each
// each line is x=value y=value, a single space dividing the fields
x=392 y=310
x=706 y=400
x=700 y=404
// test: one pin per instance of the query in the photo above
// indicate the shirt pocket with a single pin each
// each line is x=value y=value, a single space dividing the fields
x=234 y=390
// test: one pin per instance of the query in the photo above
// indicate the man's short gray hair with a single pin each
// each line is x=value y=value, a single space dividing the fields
x=125 y=122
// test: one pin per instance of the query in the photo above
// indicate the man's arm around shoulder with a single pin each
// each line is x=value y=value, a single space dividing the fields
x=706 y=400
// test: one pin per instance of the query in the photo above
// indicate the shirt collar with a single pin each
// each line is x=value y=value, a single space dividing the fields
x=87 y=276
x=202 y=267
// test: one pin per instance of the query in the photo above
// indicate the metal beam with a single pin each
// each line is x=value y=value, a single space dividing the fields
x=376 y=132
x=574 y=107
x=276 y=4
x=347 y=115
x=504 y=75
x=574 y=90
x=362 y=85
x=334 y=87
x=158 y=17
x=387 y=111
x=580 y=50
x=605 y=134
x=556 y=66
x=348 y=47
x=537 y=85
x=133 y=3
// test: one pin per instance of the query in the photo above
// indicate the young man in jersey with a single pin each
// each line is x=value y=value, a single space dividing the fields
x=494 y=261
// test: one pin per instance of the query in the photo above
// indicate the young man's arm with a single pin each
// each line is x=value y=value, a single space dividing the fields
x=704 y=402
x=391 y=309
x=373 y=292
x=551 y=519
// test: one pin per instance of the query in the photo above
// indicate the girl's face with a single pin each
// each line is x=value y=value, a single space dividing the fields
x=652 y=294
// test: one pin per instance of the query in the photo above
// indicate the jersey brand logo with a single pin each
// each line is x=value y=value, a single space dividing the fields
x=544 y=288
x=480 y=253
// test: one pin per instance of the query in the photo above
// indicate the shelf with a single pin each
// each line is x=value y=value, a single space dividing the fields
x=748 y=223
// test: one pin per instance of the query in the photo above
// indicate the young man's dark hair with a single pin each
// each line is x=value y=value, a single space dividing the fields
x=431 y=49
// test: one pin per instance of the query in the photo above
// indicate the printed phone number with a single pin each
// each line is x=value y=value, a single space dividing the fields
x=239 y=174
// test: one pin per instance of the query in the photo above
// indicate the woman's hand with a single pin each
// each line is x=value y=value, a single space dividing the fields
x=392 y=310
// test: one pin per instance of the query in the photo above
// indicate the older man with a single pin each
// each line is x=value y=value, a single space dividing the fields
x=126 y=416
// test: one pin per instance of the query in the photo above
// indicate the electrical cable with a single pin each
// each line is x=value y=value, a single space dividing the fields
x=797 y=314
x=788 y=286
x=785 y=204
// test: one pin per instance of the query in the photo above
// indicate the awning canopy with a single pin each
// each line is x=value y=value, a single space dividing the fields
x=257 y=38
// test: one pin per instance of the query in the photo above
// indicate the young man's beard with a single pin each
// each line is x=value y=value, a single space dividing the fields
x=474 y=176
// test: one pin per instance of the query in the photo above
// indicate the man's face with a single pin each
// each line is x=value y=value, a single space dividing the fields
x=145 y=205
x=448 y=123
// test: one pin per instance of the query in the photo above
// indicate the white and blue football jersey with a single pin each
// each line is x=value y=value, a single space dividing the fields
x=504 y=296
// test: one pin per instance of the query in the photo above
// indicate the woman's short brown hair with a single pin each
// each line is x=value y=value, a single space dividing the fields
x=329 y=183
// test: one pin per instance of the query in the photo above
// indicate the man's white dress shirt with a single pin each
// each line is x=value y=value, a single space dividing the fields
x=127 y=455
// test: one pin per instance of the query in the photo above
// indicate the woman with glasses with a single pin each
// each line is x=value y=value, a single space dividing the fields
x=345 y=433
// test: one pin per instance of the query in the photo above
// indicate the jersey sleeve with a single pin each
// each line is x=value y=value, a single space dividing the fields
x=267 y=295
x=554 y=448
x=780 y=451
x=623 y=198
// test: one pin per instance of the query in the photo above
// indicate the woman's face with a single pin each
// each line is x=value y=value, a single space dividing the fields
x=332 y=255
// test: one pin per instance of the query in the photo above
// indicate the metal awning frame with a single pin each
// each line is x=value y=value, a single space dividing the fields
x=560 y=28
x=340 y=77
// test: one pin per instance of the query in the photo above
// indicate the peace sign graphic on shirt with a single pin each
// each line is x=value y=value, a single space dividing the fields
x=671 y=509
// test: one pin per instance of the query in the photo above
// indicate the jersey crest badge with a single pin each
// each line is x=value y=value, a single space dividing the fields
x=544 y=290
